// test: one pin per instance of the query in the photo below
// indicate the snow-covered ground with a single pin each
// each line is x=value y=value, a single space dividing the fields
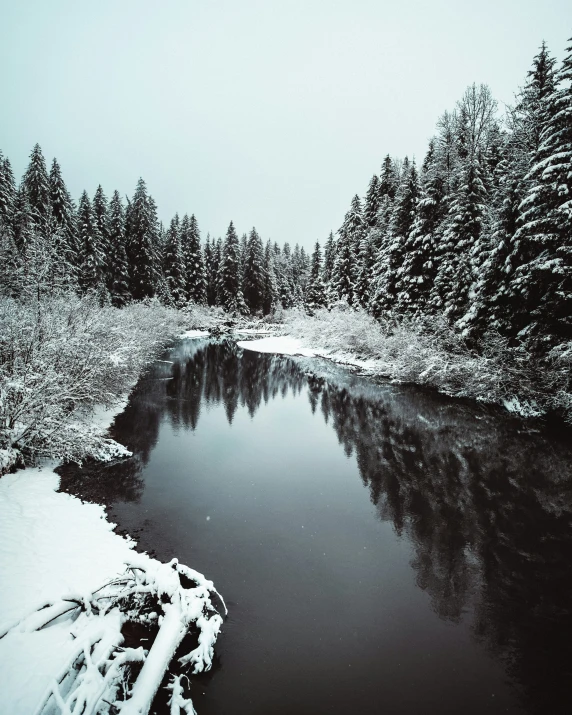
x=194 y=334
x=288 y=345
x=279 y=344
x=51 y=545
x=57 y=552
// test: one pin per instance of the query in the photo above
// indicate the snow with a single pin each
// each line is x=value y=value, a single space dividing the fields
x=51 y=545
x=280 y=344
x=194 y=334
x=251 y=331
x=288 y=345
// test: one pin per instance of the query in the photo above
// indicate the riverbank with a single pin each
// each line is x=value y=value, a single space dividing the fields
x=437 y=358
x=71 y=585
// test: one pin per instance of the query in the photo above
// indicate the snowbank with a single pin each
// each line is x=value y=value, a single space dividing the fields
x=51 y=545
x=280 y=344
x=194 y=334
x=69 y=583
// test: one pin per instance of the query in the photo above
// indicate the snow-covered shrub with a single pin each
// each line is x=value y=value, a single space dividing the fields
x=61 y=357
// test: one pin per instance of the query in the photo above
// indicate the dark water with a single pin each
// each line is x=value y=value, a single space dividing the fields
x=381 y=550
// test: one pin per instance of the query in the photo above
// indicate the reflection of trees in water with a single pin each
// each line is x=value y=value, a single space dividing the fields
x=487 y=509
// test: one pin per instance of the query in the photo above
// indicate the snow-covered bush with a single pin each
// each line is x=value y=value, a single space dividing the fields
x=61 y=357
x=431 y=352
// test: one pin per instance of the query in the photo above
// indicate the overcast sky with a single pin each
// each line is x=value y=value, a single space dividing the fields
x=270 y=113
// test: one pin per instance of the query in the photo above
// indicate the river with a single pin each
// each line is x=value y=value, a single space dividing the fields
x=381 y=549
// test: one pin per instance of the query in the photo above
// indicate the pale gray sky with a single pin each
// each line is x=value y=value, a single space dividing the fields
x=270 y=113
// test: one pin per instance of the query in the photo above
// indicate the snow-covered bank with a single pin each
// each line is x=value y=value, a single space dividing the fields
x=279 y=344
x=69 y=585
x=56 y=556
x=428 y=355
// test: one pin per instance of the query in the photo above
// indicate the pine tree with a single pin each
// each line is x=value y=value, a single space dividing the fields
x=366 y=262
x=231 y=297
x=328 y=268
x=91 y=265
x=174 y=268
x=243 y=254
x=37 y=186
x=142 y=238
x=7 y=197
x=458 y=263
x=390 y=258
x=100 y=210
x=346 y=267
x=316 y=291
x=196 y=286
x=419 y=267
x=254 y=278
x=118 y=263
x=344 y=275
x=285 y=276
x=270 y=297
x=64 y=217
x=211 y=271
x=372 y=200
x=543 y=279
x=388 y=180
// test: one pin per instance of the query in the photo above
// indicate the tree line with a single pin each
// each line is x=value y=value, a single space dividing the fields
x=120 y=250
x=480 y=233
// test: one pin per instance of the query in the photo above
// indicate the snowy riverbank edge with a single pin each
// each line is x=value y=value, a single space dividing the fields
x=55 y=547
x=293 y=346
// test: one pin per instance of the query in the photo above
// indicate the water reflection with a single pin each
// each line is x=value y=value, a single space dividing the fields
x=486 y=504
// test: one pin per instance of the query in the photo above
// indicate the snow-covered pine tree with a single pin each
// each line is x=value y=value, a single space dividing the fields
x=285 y=276
x=316 y=290
x=344 y=274
x=346 y=267
x=419 y=266
x=270 y=298
x=366 y=262
x=142 y=233
x=543 y=280
x=37 y=186
x=329 y=263
x=388 y=182
x=390 y=258
x=217 y=261
x=300 y=270
x=91 y=265
x=372 y=199
x=254 y=278
x=118 y=263
x=100 y=215
x=64 y=216
x=7 y=196
x=458 y=261
x=174 y=268
x=196 y=286
x=243 y=254
x=211 y=270
x=230 y=288
x=492 y=307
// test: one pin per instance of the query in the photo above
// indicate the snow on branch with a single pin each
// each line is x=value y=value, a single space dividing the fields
x=104 y=677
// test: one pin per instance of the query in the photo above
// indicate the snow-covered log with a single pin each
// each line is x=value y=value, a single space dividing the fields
x=97 y=678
